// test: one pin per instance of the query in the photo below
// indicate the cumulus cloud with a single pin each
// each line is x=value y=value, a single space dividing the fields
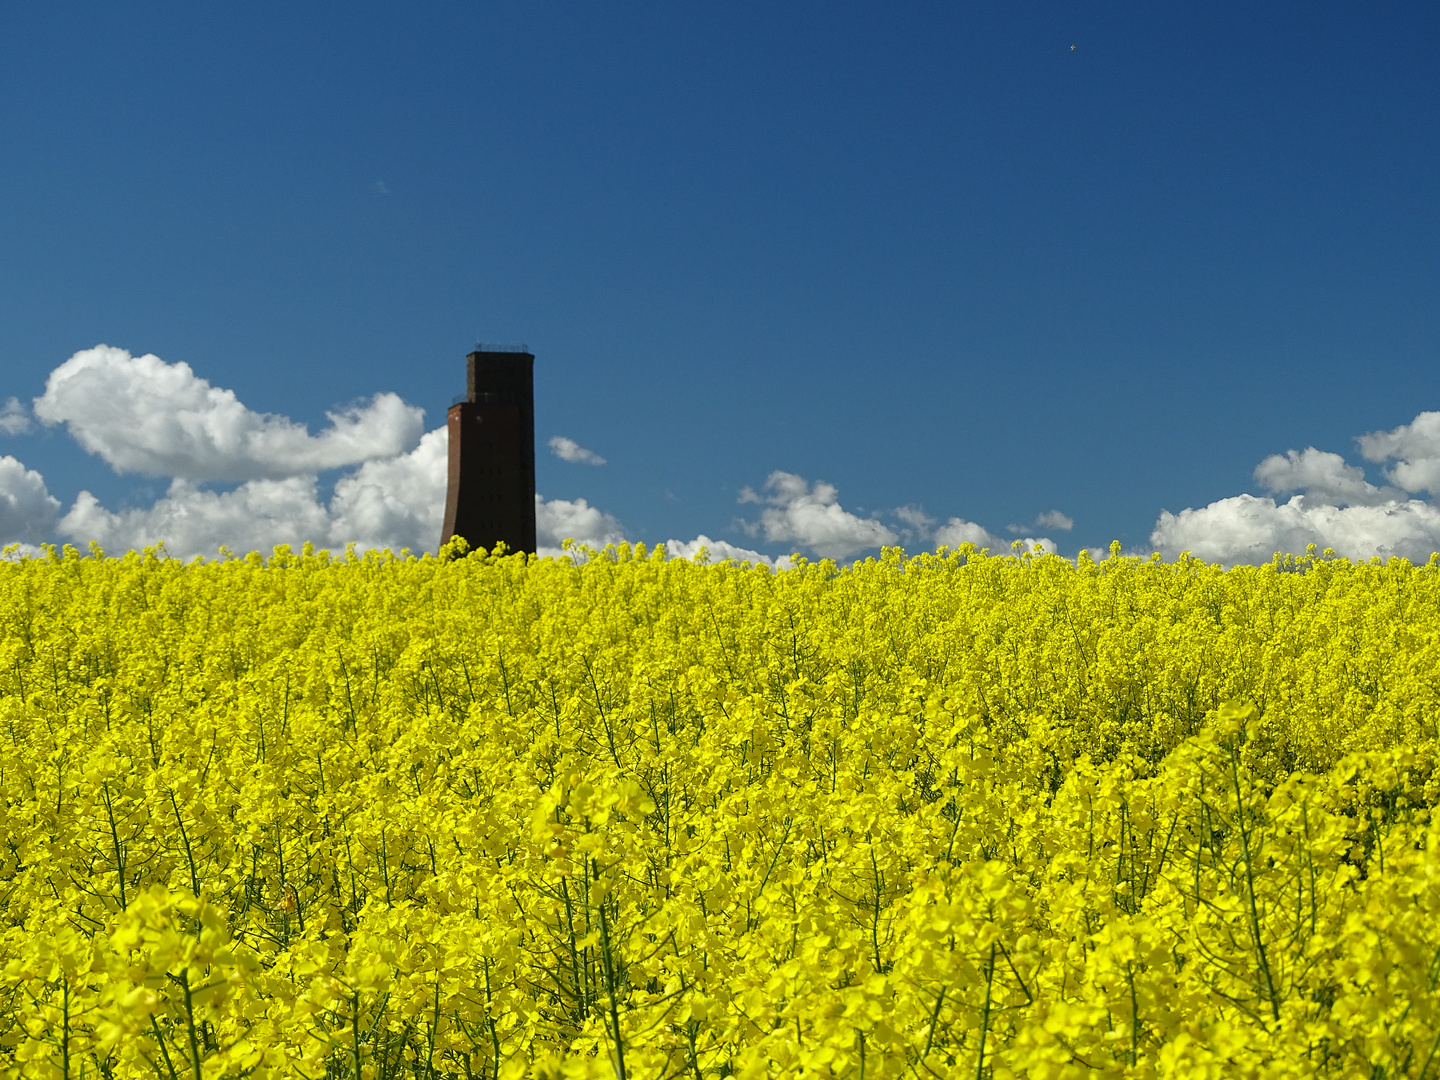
x=1336 y=508
x=571 y=451
x=27 y=509
x=192 y=521
x=796 y=512
x=393 y=503
x=14 y=552
x=559 y=520
x=1324 y=477
x=1051 y=519
x=396 y=502
x=143 y=415
x=1416 y=448
x=1054 y=519
x=920 y=526
x=14 y=418
x=958 y=531
x=720 y=551
x=1247 y=529
x=916 y=526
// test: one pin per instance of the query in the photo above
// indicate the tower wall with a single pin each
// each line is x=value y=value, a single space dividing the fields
x=490 y=496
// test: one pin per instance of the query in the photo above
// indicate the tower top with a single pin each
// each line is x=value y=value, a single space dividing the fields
x=500 y=374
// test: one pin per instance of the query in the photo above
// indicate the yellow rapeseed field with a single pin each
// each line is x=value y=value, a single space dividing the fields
x=949 y=815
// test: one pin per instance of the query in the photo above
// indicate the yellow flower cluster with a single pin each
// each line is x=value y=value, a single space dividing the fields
x=618 y=815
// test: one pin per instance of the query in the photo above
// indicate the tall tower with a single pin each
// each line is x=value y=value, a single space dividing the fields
x=491 y=493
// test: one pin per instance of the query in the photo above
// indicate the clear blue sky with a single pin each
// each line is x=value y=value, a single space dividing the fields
x=991 y=259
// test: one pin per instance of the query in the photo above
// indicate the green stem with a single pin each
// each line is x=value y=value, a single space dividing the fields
x=985 y=1014
x=610 y=989
x=115 y=841
x=164 y=1050
x=185 y=838
x=1260 y=956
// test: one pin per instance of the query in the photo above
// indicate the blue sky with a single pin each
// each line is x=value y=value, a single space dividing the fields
x=989 y=260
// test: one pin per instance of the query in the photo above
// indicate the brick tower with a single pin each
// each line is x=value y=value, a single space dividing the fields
x=491 y=493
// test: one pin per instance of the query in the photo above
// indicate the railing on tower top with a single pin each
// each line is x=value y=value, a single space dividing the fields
x=517 y=347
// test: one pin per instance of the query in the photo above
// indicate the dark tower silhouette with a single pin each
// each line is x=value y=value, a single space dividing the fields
x=491 y=493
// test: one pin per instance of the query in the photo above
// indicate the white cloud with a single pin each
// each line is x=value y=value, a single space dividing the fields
x=396 y=502
x=1054 y=519
x=958 y=531
x=812 y=517
x=1051 y=519
x=1246 y=529
x=15 y=552
x=573 y=519
x=1324 y=478
x=571 y=451
x=14 y=418
x=916 y=518
x=1416 y=445
x=720 y=550
x=192 y=521
x=27 y=509
x=143 y=415
x=1336 y=508
x=916 y=525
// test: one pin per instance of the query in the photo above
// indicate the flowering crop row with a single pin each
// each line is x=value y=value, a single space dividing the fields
x=950 y=815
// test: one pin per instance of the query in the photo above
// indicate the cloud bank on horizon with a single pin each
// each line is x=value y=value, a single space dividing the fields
x=1334 y=506
x=143 y=415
